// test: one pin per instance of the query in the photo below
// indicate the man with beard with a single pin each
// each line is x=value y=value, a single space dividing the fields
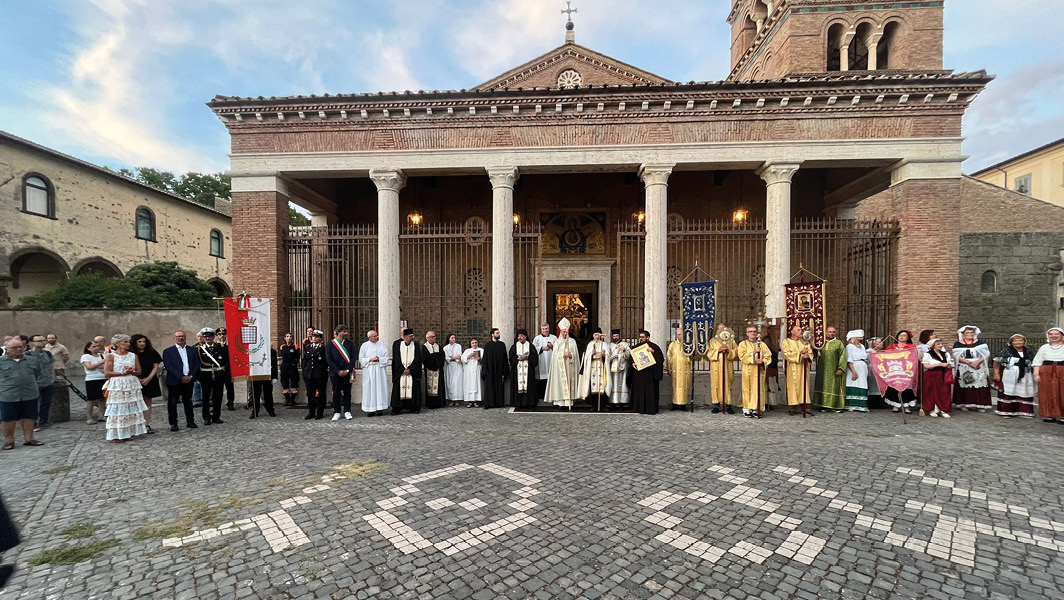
x=620 y=396
x=494 y=369
x=646 y=383
x=340 y=353
x=523 y=362
x=406 y=374
x=434 y=360
x=594 y=377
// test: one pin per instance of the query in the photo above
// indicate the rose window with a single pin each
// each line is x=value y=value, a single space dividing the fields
x=569 y=79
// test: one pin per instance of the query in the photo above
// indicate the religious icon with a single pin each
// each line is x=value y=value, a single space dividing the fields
x=643 y=357
x=805 y=302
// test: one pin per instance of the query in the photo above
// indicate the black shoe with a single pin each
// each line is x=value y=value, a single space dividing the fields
x=218 y=421
x=372 y=414
x=716 y=410
x=251 y=416
x=5 y=573
x=1048 y=420
x=206 y=421
x=308 y=417
x=230 y=407
x=379 y=413
x=191 y=426
x=319 y=417
x=271 y=413
x=173 y=428
x=731 y=411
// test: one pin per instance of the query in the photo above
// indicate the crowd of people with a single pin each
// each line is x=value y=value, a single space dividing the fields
x=124 y=377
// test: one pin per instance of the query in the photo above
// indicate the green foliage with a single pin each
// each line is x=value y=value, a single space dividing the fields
x=200 y=187
x=297 y=219
x=158 y=284
x=69 y=554
x=173 y=285
x=80 y=531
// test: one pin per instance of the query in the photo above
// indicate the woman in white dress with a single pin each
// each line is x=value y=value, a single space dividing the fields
x=856 y=372
x=125 y=400
x=471 y=373
x=452 y=374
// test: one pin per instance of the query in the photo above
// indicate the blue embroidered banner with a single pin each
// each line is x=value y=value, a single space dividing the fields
x=699 y=306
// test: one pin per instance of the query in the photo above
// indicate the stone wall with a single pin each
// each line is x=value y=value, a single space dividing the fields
x=1026 y=267
x=94 y=224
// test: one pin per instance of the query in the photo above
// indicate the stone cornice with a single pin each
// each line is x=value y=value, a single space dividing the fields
x=869 y=93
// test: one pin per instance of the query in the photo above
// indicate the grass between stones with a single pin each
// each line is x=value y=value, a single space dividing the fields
x=57 y=470
x=70 y=554
x=80 y=531
x=197 y=514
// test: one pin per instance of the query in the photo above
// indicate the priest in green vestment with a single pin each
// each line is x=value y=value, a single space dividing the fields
x=829 y=391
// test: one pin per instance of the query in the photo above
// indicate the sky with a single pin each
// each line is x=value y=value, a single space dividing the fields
x=123 y=83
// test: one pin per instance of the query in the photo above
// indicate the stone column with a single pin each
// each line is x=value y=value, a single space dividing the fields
x=260 y=257
x=872 y=43
x=777 y=177
x=502 y=250
x=844 y=50
x=655 y=257
x=388 y=182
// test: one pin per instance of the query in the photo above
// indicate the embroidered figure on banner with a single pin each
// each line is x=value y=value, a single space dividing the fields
x=699 y=309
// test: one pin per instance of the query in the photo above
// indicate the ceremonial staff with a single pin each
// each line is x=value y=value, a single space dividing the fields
x=724 y=337
x=806 y=337
x=760 y=323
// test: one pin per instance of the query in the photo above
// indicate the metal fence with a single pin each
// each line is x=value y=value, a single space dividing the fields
x=526 y=277
x=856 y=258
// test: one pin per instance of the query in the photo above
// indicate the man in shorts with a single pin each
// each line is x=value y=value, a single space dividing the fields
x=18 y=393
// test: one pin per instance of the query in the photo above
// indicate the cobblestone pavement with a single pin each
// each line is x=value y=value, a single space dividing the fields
x=469 y=503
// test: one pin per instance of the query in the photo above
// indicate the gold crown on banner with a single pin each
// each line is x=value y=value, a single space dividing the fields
x=248 y=320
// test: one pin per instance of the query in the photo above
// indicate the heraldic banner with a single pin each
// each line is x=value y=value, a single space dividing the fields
x=805 y=307
x=699 y=306
x=248 y=321
x=895 y=368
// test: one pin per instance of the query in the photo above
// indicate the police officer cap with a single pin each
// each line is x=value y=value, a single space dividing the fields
x=206 y=331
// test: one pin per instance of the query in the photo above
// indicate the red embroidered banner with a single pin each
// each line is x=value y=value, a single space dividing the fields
x=895 y=368
x=248 y=322
x=805 y=307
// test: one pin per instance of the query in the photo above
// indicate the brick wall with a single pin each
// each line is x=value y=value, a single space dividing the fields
x=260 y=259
x=995 y=209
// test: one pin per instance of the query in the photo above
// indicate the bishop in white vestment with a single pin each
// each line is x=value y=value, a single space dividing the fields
x=373 y=357
x=564 y=379
x=544 y=345
x=471 y=373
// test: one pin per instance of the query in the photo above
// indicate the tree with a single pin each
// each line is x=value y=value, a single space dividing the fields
x=297 y=219
x=91 y=291
x=172 y=285
x=199 y=187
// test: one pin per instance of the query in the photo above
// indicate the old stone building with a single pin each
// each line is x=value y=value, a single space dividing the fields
x=579 y=185
x=63 y=216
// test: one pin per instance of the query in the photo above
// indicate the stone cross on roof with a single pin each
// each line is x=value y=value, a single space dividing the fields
x=570 y=36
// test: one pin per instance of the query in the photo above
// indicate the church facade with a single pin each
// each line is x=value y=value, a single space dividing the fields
x=581 y=186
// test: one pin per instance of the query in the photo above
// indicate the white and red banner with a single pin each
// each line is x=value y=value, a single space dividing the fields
x=247 y=320
x=895 y=368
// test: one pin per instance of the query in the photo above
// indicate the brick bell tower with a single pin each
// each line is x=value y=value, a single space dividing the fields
x=776 y=38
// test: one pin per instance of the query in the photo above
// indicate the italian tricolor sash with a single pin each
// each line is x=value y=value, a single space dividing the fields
x=347 y=356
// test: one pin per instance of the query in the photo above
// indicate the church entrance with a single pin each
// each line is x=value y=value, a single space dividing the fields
x=576 y=301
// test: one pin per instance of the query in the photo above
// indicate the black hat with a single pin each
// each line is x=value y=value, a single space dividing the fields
x=596 y=330
x=407 y=331
x=220 y=330
x=523 y=332
x=615 y=332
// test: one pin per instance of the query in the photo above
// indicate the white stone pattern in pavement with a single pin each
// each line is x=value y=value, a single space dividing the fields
x=798 y=546
x=407 y=540
x=277 y=526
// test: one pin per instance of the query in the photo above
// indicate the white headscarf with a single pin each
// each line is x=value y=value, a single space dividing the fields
x=856 y=333
x=960 y=332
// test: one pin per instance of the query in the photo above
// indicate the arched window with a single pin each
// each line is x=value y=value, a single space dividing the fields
x=38 y=196
x=145 y=224
x=859 y=48
x=217 y=245
x=885 y=52
x=989 y=283
x=835 y=47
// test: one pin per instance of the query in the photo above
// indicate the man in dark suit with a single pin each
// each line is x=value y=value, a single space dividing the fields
x=182 y=367
x=341 y=356
x=213 y=359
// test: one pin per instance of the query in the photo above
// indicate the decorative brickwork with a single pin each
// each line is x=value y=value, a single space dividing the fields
x=592 y=67
x=260 y=260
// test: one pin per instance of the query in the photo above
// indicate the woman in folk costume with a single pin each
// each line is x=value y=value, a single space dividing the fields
x=471 y=373
x=452 y=375
x=907 y=399
x=125 y=401
x=856 y=372
x=973 y=370
x=564 y=379
x=1049 y=376
x=937 y=380
x=798 y=355
x=1014 y=379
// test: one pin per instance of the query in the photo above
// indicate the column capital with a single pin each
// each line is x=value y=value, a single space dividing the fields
x=777 y=172
x=388 y=179
x=503 y=177
x=655 y=173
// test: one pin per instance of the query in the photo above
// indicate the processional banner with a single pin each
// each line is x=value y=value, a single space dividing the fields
x=895 y=368
x=805 y=307
x=248 y=321
x=699 y=307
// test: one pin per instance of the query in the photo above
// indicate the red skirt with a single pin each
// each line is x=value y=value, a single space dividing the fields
x=936 y=392
x=1051 y=391
x=972 y=397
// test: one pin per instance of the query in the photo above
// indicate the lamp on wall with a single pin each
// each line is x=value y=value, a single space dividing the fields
x=740 y=215
x=639 y=217
x=415 y=219
x=517 y=220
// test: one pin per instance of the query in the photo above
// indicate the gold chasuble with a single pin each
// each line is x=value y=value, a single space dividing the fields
x=679 y=366
x=751 y=381
x=722 y=370
x=797 y=370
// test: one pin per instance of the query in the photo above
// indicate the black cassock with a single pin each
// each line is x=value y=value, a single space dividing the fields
x=527 y=398
x=413 y=404
x=434 y=363
x=644 y=384
x=493 y=369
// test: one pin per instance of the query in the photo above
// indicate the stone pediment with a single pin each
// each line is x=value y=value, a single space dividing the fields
x=571 y=65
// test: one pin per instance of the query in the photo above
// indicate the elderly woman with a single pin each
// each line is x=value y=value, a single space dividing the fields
x=125 y=398
x=907 y=399
x=972 y=391
x=1049 y=376
x=1014 y=379
x=857 y=372
x=937 y=380
x=875 y=395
